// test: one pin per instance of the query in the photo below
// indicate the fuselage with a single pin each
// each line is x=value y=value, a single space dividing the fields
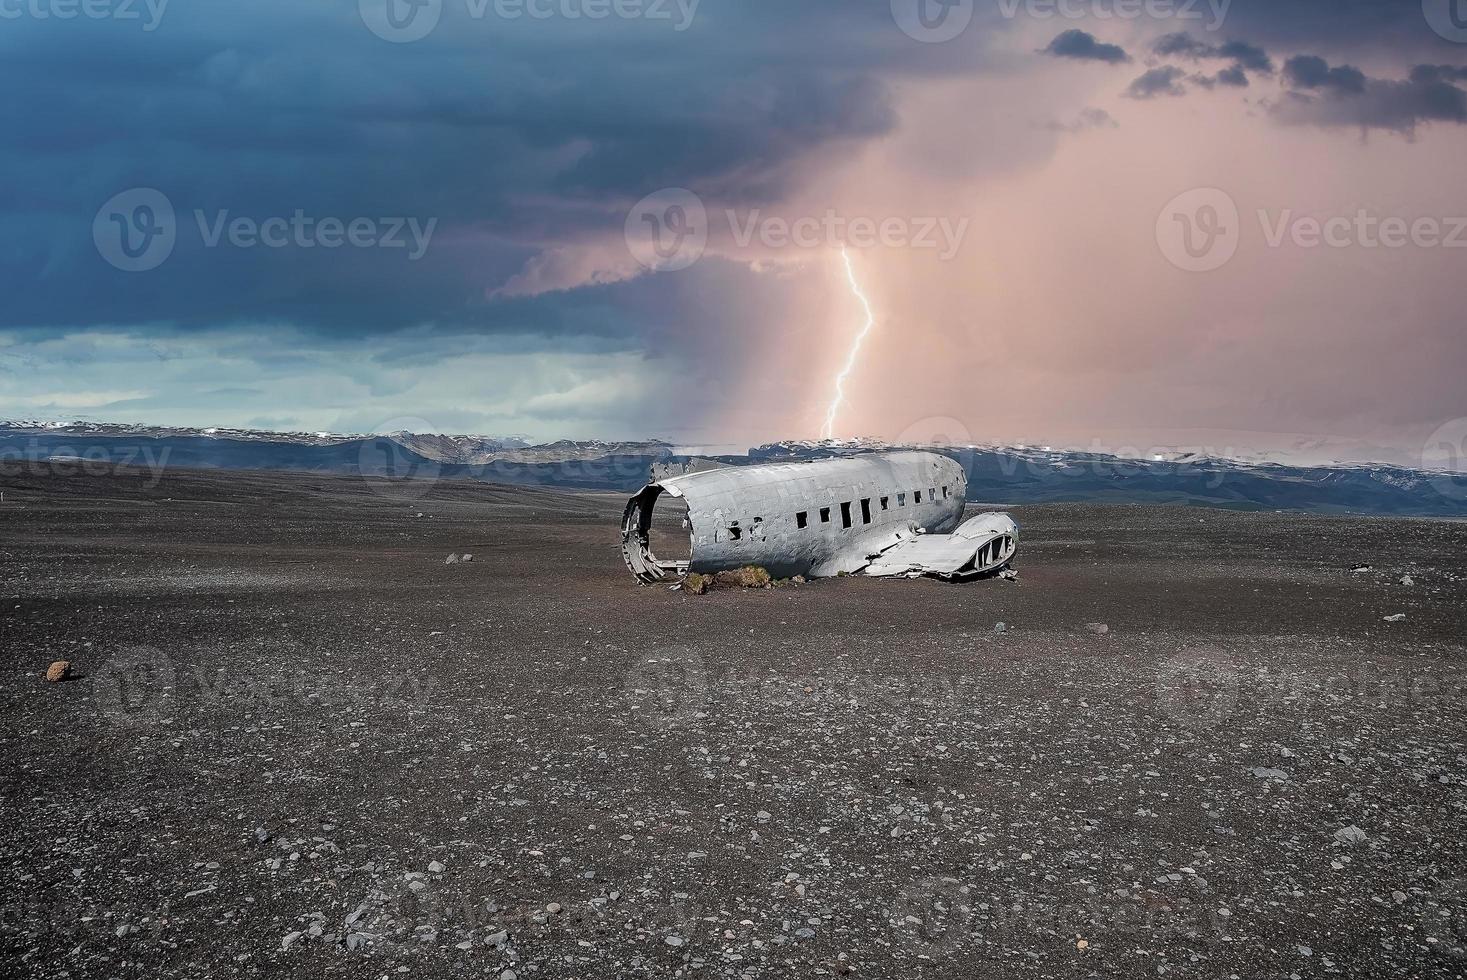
x=818 y=517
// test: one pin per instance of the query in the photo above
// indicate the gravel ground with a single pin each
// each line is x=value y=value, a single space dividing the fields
x=301 y=743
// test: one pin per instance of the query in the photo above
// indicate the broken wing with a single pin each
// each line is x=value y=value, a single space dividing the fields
x=982 y=545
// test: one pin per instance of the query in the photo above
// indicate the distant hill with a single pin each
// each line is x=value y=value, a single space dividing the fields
x=996 y=474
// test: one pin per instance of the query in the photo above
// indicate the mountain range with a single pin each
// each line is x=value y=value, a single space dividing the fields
x=996 y=474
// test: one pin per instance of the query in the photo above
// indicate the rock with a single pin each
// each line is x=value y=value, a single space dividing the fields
x=1351 y=835
x=58 y=671
x=1263 y=772
x=798 y=580
x=1407 y=580
x=1000 y=627
x=435 y=867
x=553 y=908
x=674 y=940
x=451 y=560
x=290 y=938
x=1099 y=629
x=1395 y=618
x=467 y=558
x=1009 y=575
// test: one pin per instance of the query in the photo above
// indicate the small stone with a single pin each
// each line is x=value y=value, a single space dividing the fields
x=467 y=558
x=1407 y=580
x=58 y=671
x=674 y=940
x=435 y=867
x=553 y=908
x=1395 y=618
x=451 y=560
x=1351 y=835
x=290 y=937
x=1099 y=629
x=1000 y=627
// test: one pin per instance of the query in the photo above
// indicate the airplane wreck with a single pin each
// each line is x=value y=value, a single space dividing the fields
x=880 y=514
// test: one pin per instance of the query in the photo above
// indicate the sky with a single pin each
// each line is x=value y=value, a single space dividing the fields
x=1118 y=225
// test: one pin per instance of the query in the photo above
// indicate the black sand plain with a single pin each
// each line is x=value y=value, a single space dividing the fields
x=301 y=744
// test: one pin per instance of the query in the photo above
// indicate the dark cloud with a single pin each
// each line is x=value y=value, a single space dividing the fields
x=1234 y=76
x=1242 y=54
x=1084 y=47
x=1338 y=26
x=1323 y=95
x=1157 y=81
x=1312 y=72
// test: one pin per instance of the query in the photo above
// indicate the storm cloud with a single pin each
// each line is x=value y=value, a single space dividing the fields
x=1084 y=47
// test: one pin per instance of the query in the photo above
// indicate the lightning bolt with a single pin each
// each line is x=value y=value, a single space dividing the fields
x=840 y=379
